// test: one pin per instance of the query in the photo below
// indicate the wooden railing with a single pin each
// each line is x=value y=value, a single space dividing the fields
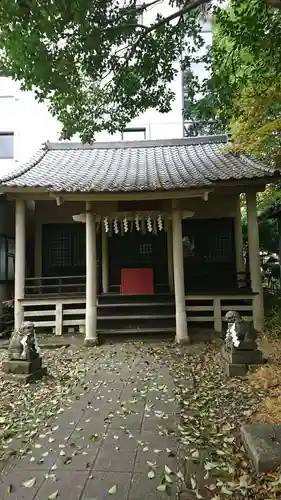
x=76 y=285
x=56 y=315
x=64 y=285
x=67 y=314
x=206 y=281
x=212 y=308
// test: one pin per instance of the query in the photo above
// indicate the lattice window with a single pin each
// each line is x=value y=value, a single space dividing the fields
x=146 y=249
x=60 y=250
x=63 y=246
x=7 y=258
x=222 y=246
x=220 y=249
x=11 y=259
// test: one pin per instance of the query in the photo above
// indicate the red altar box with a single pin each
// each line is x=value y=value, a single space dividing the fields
x=137 y=281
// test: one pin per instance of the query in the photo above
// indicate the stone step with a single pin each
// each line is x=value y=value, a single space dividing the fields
x=133 y=322
x=138 y=310
x=114 y=298
x=137 y=331
x=149 y=316
x=136 y=304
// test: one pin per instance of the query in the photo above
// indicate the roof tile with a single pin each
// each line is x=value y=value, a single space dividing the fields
x=134 y=166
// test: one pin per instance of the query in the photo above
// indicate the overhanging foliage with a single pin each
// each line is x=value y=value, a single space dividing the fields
x=94 y=61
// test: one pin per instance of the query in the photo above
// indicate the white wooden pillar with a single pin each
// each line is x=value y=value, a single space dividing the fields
x=240 y=266
x=170 y=255
x=254 y=260
x=105 y=262
x=19 y=262
x=181 y=320
x=4 y=207
x=91 y=278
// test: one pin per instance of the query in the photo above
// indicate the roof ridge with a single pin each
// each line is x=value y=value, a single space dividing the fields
x=39 y=155
x=145 y=143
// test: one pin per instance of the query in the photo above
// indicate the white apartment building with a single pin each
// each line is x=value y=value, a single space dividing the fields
x=26 y=124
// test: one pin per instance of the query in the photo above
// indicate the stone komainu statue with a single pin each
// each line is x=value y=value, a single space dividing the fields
x=239 y=332
x=23 y=344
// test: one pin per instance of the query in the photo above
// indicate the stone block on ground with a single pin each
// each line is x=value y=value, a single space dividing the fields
x=245 y=357
x=263 y=445
x=22 y=367
x=26 y=378
x=234 y=370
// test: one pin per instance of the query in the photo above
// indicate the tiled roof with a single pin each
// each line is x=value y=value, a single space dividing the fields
x=134 y=166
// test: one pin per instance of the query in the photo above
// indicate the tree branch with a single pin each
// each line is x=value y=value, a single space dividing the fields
x=179 y=13
x=188 y=8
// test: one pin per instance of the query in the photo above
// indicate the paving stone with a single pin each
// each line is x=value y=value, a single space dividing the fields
x=159 y=441
x=86 y=436
x=79 y=459
x=78 y=455
x=49 y=453
x=69 y=421
x=14 y=479
x=167 y=404
x=129 y=395
x=100 y=483
x=96 y=421
x=85 y=402
x=114 y=383
x=47 y=439
x=107 y=399
x=97 y=410
x=143 y=488
x=263 y=444
x=131 y=422
x=109 y=433
x=37 y=459
x=153 y=423
x=125 y=440
x=111 y=458
x=157 y=455
x=132 y=404
x=68 y=416
x=69 y=484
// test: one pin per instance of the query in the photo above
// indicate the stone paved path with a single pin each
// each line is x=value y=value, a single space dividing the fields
x=108 y=443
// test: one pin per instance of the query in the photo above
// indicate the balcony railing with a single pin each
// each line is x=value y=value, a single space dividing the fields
x=76 y=285
x=55 y=285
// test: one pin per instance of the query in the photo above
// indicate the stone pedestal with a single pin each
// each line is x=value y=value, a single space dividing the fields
x=236 y=362
x=263 y=444
x=24 y=371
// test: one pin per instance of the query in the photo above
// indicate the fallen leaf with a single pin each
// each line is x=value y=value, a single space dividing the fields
x=162 y=487
x=29 y=483
x=193 y=483
x=112 y=490
x=168 y=479
x=151 y=464
x=53 y=496
x=168 y=470
x=151 y=474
